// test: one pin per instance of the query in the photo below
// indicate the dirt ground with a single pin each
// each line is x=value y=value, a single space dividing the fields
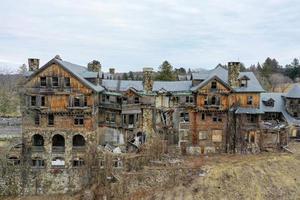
x=263 y=176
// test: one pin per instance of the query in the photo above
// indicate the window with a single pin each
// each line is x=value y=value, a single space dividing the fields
x=43 y=101
x=13 y=161
x=136 y=100
x=33 y=100
x=78 y=140
x=58 y=162
x=131 y=119
x=214 y=85
x=184 y=117
x=113 y=117
x=67 y=82
x=216 y=118
x=78 y=162
x=124 y=119
x=43 y=81
x=37 y=119
x=213 y=100
x=243 y=83
x=203 y=116
x=50 y=119
x=37 y=140
x=85 y=101
x=203 y=135
x=103 y=98
x=189 y=99
x=38 y=163
x=55 y=81
x=77 y=101
x=249 y=100
x=251 y=118
x=217 y=135
x=101 y=163
x=79 y=120
x=118 y=163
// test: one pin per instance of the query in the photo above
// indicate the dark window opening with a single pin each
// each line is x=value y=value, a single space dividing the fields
x=189 y=99
x=131 y=119
x=214 y=85
x=43 y=101
x=136 y=100
x=215 y=118
x=67 y=82
x=33 y=100
x=43 y=81
x=78 y=140
x=78 y=162
x=252 y=138
x=251 y=118
x=295 y=114
x=203 y=116
x=213 y=100
x=184 y=117
x=85 y=101
x=249 y=100
x=79 y=120
x=38 y=162
x=38 y=140
x=58 y=141
x=118 y=163
x=77 y=102
x=55 y=81
x=13 y=161
x=50 y=119
x=37 y=119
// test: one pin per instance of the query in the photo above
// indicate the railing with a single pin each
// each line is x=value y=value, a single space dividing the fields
x=110 y=105
x=37 y=148
x=206 y=91
x=58 y=149
x=79 y=148
x=213 y=106
x=50 y=89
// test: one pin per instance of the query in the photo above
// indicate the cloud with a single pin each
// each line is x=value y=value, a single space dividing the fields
x=132 y=34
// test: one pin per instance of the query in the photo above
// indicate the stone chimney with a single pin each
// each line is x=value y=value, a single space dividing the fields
x=233 y=74
x=94 y=66
x=148 y=79
x=33 y=64
x=112 y=71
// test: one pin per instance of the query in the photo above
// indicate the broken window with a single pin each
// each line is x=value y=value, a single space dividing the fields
x=118 y=163
x=251 y=118
x=184 y=117
x=37 y=163
x=78 y=162
x=249 y=100
x=78 y=140
x=55 y=81
x=77 y=101
x=217 y=135
x=79 y=120
x=58 y=162
x=131 y=119
x=33 y=100
x=50 y=119
x=203 y=135
x=67 y=81
x=213 y=100
x=13 y=160
x=43 y=81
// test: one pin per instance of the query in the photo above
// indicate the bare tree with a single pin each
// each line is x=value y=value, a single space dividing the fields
x=279 y=82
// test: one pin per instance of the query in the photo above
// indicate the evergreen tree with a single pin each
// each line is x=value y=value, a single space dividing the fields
x=166 y=72
x=125 y=76
x=131 y=76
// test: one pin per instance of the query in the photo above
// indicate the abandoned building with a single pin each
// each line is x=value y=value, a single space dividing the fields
x=72 y=114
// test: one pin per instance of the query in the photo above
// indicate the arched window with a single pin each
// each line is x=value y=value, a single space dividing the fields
x=78 y=140
x=58 y=141
x=37 y=140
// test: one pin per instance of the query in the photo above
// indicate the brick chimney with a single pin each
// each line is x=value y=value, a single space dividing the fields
x=33 y=64
x=148 y=79
x=94 y=66
x=112 y=71
x=233 y=74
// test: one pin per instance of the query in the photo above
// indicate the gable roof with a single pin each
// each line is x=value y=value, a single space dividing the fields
x=76 y=70
x=204 y=83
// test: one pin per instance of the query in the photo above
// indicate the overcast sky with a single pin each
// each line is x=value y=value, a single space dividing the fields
x=131 y=34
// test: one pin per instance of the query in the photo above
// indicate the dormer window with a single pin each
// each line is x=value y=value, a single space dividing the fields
x=244 y=81
x=269 y=102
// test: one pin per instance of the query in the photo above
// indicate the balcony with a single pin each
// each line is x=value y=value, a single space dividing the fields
x=37 y=148
x=79 y=148
x=110 y=105
x=58 y=149
x=213 y=106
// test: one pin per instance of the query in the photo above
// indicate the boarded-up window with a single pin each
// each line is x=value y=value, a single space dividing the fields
x=203 y=135
x=217 y=135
